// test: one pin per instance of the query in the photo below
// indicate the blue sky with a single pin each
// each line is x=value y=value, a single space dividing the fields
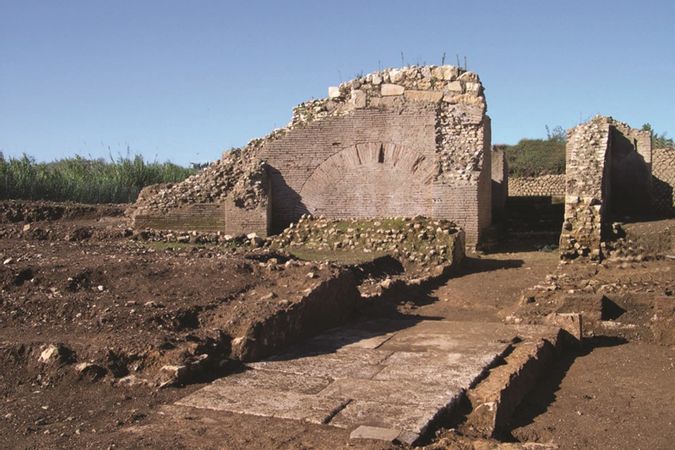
x=184 y=80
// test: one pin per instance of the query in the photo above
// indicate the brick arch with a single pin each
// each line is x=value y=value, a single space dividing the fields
x=371 y=180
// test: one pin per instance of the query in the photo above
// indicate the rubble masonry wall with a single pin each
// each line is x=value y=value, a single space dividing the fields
x=663 y=181
x=541 y=186
x=601 y=155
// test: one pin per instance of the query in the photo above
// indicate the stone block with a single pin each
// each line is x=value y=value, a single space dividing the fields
x=473 y=87
x=377 y=433
x=423 y=96
x=334 y=92
x=450 y=73
x=384 y=434
x=358 y=99
x=455 y=86
x=570 y=322
x=263 y=402
x=392 y=89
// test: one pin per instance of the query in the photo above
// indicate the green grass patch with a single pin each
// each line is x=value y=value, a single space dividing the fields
x=338 y=256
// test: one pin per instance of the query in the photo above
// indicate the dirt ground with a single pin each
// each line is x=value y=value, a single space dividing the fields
x=128 y=308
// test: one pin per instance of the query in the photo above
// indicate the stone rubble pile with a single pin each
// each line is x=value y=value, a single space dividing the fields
x=417 y=240
x=196 y=237
x=238 y=174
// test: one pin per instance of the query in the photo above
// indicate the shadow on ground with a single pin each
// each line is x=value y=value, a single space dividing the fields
x=544 y=393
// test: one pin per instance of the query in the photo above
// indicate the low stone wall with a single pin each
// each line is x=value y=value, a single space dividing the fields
x=663 y=181
x=204 y=217
x=541 y=186
x=326 y=305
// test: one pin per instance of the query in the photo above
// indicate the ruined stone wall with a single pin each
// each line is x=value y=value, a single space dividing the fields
x=663 y=181
x=231 y=195
x=600 y=156
x=586 y=172
x=401 y=142
x=541 y=186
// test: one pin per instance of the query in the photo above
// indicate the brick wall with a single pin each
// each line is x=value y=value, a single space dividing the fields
x=399 y=142
x=375 y=162
x=663 y=181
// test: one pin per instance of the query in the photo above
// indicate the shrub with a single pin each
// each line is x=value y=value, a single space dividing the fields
x=534 y=157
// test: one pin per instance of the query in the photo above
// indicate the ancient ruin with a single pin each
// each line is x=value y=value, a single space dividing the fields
x=663 y=181
x=608 y=172
x=395 y=143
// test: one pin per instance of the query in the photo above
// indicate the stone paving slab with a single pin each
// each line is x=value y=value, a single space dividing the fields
x=395 y=375
x=399 y=392
x=454 y=370
x=409 y=418
x=358 y=363
x=276 y=381
x=264 y=402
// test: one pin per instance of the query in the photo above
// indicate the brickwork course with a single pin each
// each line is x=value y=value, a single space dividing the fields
x=395 y=143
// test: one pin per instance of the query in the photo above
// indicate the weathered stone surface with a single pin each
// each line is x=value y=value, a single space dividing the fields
x=359 y=98
x=334 y=92
x=377 y=433
x=349 y=383
x=399 y=391
x=359 y=363
x=277 y=381
x=570 y=322
x=413 y=418
x=544 y=185
x=423 y=96
x=263 y=402
x=392 y=89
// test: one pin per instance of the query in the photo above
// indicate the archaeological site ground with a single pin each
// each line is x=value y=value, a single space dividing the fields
x=371 y=276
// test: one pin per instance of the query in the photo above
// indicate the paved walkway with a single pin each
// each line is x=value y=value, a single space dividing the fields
x=394 y=375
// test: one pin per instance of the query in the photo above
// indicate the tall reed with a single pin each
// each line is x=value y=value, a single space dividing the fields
x=78 y=179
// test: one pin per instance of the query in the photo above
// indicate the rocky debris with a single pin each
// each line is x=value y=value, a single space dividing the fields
x=239 y=174
x=172 y=374
x=250 y=240
x=56 y=354
x=418 y=240
x=90 y=371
